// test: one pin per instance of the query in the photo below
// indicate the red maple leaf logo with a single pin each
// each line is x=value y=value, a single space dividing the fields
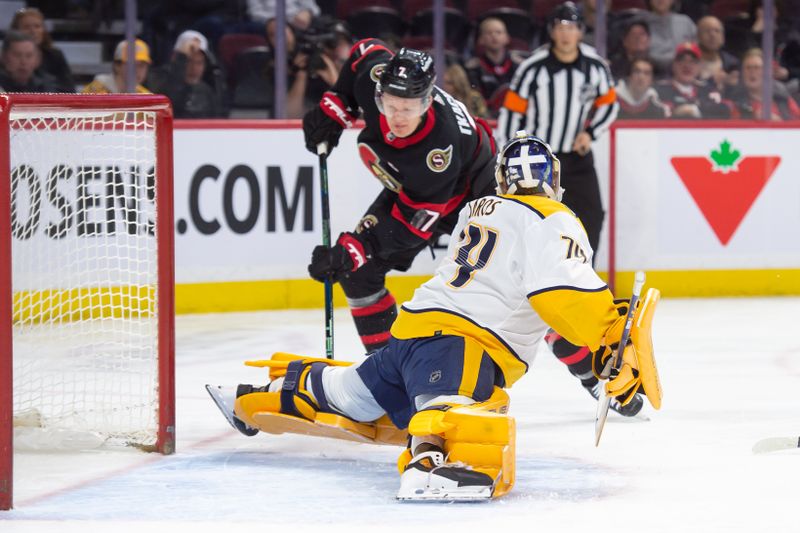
x=725 y=187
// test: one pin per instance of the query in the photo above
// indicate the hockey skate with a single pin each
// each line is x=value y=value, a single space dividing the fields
x=428 y=478
x=224 y=398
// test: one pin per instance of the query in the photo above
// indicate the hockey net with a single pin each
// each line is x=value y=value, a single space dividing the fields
x=87 y=213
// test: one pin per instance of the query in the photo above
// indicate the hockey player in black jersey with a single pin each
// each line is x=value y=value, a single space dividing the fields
x=431 y=156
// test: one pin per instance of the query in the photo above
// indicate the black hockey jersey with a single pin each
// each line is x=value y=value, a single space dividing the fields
x=430 y=174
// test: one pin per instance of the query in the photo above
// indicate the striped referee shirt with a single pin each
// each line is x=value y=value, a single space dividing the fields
x=556 y=101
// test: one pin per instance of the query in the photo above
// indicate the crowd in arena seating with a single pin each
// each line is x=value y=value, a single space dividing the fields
x=214 y=58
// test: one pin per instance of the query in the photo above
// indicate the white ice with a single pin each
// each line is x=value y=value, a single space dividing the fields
x=730 y=370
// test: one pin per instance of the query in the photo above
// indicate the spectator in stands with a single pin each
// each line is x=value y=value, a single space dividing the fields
x=491 y=70
x=782 y=36
x=635 y=45
x=667 y=30
x=162 y=22
x=637 y=97
x=753 y=39
x=685 y=94
x=748 y=97
x=789 y=59
x=589 y=12
x=116 y=82
x=299 y=13
x=21 y=57
x=31 y=21
x=316 y=55
x=456 y=83
x=182 y=79
x=716 y=64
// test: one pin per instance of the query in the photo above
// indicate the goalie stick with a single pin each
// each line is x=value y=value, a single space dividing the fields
x=776 y=444
x=322 y=152
x=615 y=362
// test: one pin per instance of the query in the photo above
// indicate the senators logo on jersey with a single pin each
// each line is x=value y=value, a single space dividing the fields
x=373 y=162
x=438 y=160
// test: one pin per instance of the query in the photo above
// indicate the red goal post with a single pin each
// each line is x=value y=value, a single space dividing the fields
x=86 y=271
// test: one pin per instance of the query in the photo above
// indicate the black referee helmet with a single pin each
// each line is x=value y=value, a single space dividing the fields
x=568 y=12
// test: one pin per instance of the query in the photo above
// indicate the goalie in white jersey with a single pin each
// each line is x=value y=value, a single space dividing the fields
x=519 y=263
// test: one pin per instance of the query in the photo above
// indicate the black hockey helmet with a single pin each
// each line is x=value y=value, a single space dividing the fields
x=568 y=12
x=409 y=74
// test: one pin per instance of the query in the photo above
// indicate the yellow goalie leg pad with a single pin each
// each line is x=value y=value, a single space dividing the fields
x=481 y=435
x=262 y=410
x=640 y=356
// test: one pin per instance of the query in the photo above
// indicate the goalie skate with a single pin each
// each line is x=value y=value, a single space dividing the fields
x=428 y=478
x=224 y=398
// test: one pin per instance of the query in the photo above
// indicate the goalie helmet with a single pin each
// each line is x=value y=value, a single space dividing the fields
x=526 y=165
x=409 y=74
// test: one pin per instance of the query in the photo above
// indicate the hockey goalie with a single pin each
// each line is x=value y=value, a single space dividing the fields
x=519 y=263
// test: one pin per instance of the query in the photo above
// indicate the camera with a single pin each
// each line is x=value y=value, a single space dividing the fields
x=323 y=33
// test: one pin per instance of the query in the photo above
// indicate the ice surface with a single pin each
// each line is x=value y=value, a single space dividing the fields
x=730 y=369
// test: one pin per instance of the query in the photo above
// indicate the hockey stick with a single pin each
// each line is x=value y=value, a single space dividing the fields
x=615 y=362
x=322 y=152
x=776 y=444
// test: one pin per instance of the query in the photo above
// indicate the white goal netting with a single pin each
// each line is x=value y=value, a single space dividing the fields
x=85 y=273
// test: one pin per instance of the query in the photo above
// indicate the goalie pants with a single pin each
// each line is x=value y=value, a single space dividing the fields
x=582 y=193
x=407 y=373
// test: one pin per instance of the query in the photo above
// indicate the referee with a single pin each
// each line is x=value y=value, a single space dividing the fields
x=564 y=94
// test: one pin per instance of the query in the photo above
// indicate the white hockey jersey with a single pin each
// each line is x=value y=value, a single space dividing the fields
x=515 y=265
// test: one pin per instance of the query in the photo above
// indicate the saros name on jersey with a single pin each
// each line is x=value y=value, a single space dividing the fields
x=483 y=206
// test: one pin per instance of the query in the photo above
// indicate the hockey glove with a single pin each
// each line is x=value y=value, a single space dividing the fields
x=347 y=255
x=325 y=122
x=624 y=383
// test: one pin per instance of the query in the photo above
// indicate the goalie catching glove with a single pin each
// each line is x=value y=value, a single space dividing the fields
x=637 y=373
x=332 y=263
x=325 y=122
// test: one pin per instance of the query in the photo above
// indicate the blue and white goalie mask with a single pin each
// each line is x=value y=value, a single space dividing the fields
x=526 y=165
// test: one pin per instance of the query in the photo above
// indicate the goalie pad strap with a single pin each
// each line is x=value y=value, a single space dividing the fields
x=316 y=385
x=290 y=385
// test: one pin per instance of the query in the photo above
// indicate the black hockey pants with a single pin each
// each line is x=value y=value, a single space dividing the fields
x=582 y=193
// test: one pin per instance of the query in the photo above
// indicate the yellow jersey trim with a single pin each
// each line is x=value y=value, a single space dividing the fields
x=429 y=322
x=541 y=204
